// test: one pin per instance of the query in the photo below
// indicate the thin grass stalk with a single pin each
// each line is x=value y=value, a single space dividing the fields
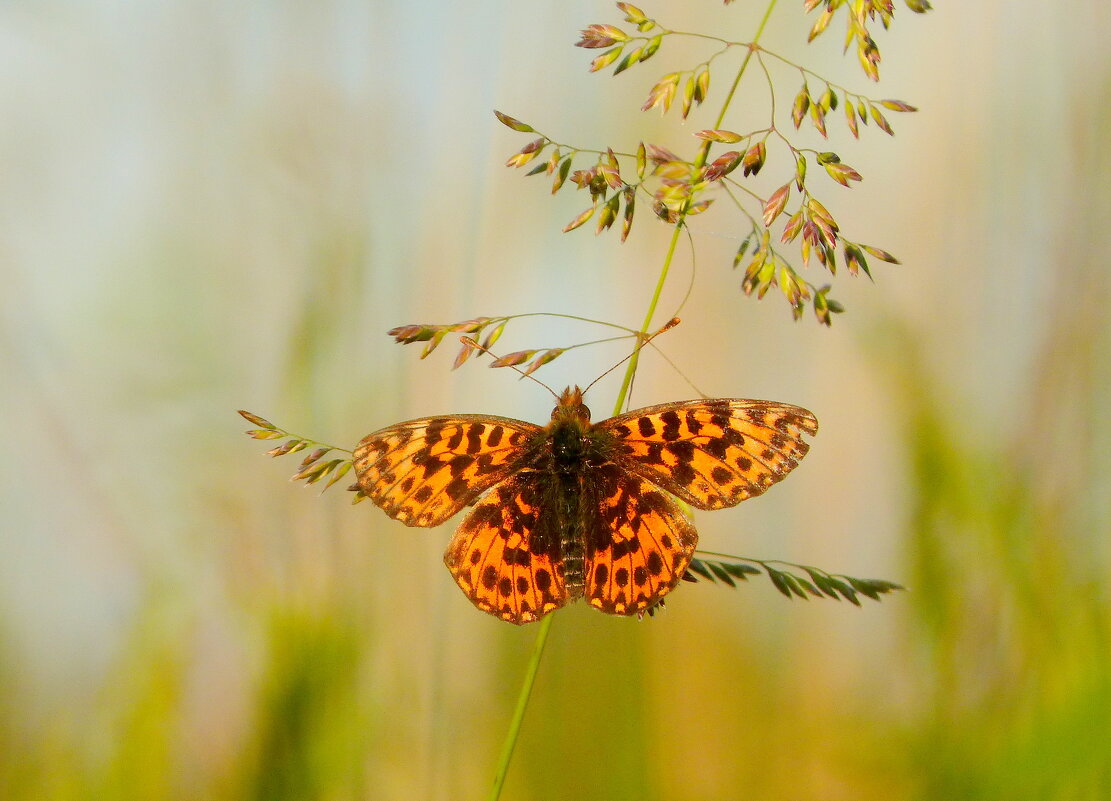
x=519 y=711
x=699 y=163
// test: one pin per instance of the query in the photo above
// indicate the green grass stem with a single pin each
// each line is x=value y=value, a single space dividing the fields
x=519 y=711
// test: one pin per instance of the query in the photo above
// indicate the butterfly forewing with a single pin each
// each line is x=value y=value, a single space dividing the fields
x=711 y=453
x=424 y=471
x=638 y=545
x=506 y=555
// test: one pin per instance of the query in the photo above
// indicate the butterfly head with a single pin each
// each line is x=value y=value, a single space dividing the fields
x=571 y=406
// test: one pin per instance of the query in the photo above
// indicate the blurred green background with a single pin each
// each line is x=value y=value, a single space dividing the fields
x=210 y=206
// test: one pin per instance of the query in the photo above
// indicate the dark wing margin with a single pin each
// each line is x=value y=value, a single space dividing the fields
x=711 y=453
x=422 y=472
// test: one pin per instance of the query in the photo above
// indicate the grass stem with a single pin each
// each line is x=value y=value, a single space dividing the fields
x=519 y=711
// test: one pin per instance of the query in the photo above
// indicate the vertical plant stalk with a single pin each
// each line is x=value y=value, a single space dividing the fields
x=533 y=668
x=519 y=711
x=699 y=163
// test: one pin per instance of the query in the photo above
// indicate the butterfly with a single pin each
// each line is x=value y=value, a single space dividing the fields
x=576 y=509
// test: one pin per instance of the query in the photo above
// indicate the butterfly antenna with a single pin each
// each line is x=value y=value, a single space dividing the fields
x=644 y=340
x=471 y=343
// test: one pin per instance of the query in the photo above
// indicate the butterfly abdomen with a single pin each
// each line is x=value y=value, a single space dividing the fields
x=570 y=531
x=569 y=455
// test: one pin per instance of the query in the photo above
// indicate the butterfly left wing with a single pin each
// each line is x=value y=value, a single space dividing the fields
x=506 y=554
x=711 y=453
x=638 y=542
x=422 y=472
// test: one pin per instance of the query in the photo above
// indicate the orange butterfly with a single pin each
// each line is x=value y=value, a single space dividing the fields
x=578 y=509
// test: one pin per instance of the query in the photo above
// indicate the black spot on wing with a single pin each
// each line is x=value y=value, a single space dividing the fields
x=720 y=475
x=683 y=450
x=457 y=488
x=716 y=447
x=732 y=436
x=670 y=419
x=683 y=473
x=543 y=580
x=474 y=438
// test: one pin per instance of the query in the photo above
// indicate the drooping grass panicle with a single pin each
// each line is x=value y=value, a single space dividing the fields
x=313 y=467
x=676 y=186
x=792 y=580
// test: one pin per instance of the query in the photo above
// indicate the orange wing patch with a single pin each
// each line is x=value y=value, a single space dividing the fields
x=492 y=559
x=640 y=549
x=424 y=471
x=711 y=453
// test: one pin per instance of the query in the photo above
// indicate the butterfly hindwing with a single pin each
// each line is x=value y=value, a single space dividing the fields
x=711 y=453
x=638 y=544
x=506 y=554
x=422 y=472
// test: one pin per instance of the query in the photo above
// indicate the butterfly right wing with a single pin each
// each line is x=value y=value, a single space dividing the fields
x=422 y=472
x=711 y=453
